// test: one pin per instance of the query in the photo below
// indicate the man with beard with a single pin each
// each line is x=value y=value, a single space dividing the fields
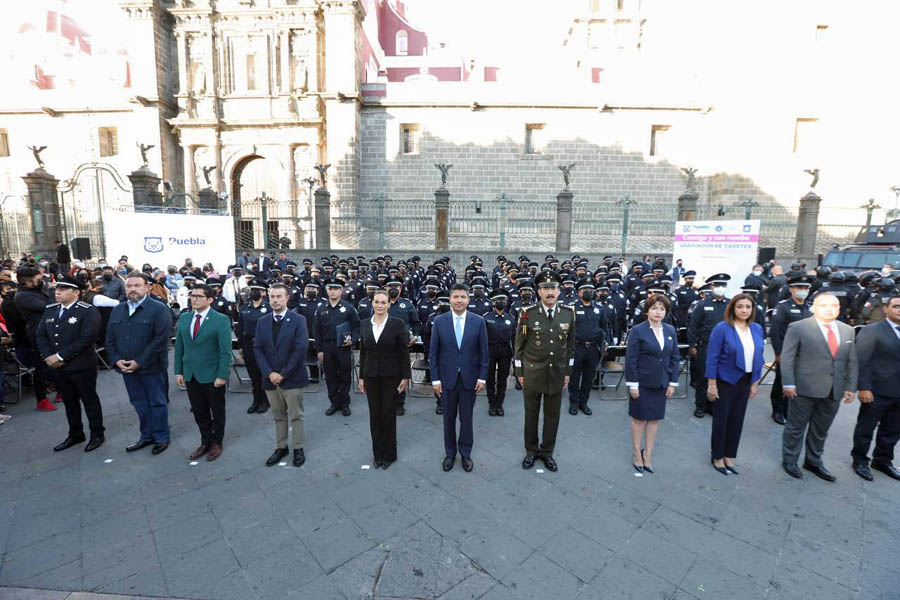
x=113 y=287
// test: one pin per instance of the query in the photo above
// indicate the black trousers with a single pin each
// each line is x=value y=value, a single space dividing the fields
x=779 y=402
x=337 y=374
x=79 y=388
x=884 y=413
x=551 y=402
x=30 y=357
x=698 y=372
x=208 y=406
x=728 y=417
x=583 y=371
x=499 y=356
x=381 y=392
x=259 y=394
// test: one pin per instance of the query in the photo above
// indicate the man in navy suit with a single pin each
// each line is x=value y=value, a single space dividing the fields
x=280 y=350
x=459 y=366
x=878 y=354
x=263 y=264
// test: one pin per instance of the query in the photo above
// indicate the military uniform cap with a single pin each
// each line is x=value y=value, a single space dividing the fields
x=750 y=289
x=66 y=280
x=476 y=281
x=569 y=279
x=602 y=285
x=189 y=276
x=501 y=258
x=607 y=257
x=213 y=281
x=333 y=282
x=647 y=274
x=432 y=282
x=307 y=261
x=613 y=277
x=704 y=288
x=525 y=284
x=691 y=273
x=258 y=283
x=586 y=283
x=800 y=280
x=499 y=293
x=656 y=286
x=312 y=283
x=614 y=267
x=718 y=278
x=394 y=281
x=547 y=279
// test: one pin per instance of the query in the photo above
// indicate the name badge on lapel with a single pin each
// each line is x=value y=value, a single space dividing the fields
x=564 y=327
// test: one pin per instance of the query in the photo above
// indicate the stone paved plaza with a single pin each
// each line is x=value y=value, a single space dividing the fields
x=135 y=524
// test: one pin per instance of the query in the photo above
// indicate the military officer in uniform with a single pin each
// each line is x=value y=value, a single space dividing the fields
x=245 y=332
x=544 y=354
x=705 y=315
x=336 y=327
x=222 y=304
x=501 y=331
x=786 y=312
x=591 y=338
x=65 y=339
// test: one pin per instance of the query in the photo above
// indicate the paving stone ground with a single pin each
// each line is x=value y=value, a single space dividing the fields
x=73 y=525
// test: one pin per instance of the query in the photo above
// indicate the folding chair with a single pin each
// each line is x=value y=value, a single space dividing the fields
x=99 y=352
x=768 y=367
x=684 y=368
x=312 y=361
x=21 y=372
x=236 y=365
x=614 y=368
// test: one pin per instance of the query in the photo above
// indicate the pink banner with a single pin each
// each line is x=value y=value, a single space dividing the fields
x=717 y=237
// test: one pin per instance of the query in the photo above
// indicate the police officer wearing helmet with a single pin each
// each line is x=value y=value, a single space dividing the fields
x=705 y=315
x=245 y=331
x=592 y=335
x=794 y=308
x=501 y=331
x=65 y=339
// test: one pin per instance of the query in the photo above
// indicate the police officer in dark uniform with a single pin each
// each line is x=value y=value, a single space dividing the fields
x=336 y=327
x=404 y=310
x=873 y=309
x=526 y=297
x=501 y=331
x=592 y=335
x=221 y=304
x=619 y=302
x=787 y=311
x=759 y=309
x=480 y=302
x=705 y=315
x=364 y=307
x=443 y=301
x=568 y=294
x=65 y=339
x=685 y=296
x=429 y=304
x=245 y=332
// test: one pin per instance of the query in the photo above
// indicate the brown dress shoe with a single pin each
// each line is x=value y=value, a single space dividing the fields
x=215 y=451
x=203 y=449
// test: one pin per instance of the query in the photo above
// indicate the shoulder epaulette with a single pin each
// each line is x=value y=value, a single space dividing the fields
x=569 y=306
x=52 y=305
x=83 y=304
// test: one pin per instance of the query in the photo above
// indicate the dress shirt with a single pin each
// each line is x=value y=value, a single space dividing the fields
x=823 y=327
x=550 y=312
x=462 y=326
x=895 y=327
x=377 y=328
x=746 y=337
x=133 y=306
x=659 y=337
x=203 y=315
x=65 y=307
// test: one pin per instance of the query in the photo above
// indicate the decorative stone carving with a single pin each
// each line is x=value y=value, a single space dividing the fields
x=300 y=53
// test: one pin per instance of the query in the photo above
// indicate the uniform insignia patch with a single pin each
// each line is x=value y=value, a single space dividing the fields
x=73 y=320
x=343 y=309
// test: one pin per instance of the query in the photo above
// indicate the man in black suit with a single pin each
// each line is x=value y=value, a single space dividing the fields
x=878 y=352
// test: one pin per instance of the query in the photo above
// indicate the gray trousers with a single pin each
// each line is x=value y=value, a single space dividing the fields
x=287 y=405
x=818 y=414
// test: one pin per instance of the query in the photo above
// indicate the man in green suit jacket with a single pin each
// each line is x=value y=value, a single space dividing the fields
x=202 y=359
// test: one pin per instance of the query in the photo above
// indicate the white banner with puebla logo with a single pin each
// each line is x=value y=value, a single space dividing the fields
x=168 y=239
x=711 y=247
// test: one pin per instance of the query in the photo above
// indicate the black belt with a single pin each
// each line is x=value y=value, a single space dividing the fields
x=585 y=344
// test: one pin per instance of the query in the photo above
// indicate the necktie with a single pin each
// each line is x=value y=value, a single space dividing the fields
x=832 y=341
x=61 y=311
x=196 y=325
x=278 y=318
x=459 y=332
x=550 y=314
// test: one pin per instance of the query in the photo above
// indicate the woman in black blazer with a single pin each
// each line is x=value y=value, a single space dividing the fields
x=384 y=371
x=652 y=363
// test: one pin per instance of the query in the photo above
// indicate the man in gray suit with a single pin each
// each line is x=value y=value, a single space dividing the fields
x=818 y=369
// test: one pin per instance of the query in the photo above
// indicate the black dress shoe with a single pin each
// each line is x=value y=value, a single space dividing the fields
x=732 y=470
x=345 y=410
x=886 y=468
x=550 y=463
x=492 y=412
x=518 y=385
x=276 y=457
x=252 y=408
x=586 y=410
x=331 y=410
x=573 y=409
x=863 y=471
x=820 y=472
x=138 y=445
x=94 y=443
x=699 y=413
x=792 y=470
x=385 y=464
x=68 y=443
x=262 y=408
x=779 y=418
x=401 y=411
x=527 y=462
x=299 y=457
x=159 y=448
x=448 y=463
x=500 y=412
x=438 y=409
x=467 y=465
x=721 y=470
x=377 y=464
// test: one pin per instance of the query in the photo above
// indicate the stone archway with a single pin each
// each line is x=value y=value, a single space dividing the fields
x=252 y=179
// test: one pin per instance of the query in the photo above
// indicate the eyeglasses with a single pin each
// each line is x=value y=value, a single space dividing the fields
x=201 y=296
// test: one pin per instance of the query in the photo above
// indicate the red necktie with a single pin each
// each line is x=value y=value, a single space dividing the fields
x=832 y=341
x=196 y=326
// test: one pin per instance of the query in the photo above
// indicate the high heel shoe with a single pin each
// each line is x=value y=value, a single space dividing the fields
x=721 y=470
x=638 y=468
x=648 y=468
x=731 y=470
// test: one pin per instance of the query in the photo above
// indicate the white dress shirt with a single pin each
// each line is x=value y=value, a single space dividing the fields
x=661 y=340
x=377 y=328
x=823 y=327
x=746 y=337
x=203 y=314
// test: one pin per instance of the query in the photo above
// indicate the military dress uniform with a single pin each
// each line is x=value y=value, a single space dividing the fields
x=501 y=331
x=705 y=315
x=336 y=352
x=544 y=354
x=245 y=332
x=784 y=313
x=592 y=335
x=70 y=333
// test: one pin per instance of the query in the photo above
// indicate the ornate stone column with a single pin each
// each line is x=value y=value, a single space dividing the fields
x=441 y=219
x=323 y=219
x=807 y=225
x=564 y=221
x=145 y=189
x=687 y=206
x=43 y=208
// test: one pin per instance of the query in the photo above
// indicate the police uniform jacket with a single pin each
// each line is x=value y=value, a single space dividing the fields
x=785 y=313
x=705 y=315
x=328 y=318
x=591 y=325
x=501 y=329
x=245 y=329
x=480 y=304
x=223 y=306
x=71 y=336
x=404 y=310
x=545 y=351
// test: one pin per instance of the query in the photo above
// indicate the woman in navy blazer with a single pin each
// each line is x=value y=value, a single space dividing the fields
x=652 y=362
x=734 y=360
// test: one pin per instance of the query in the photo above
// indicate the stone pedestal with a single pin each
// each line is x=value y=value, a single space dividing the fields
x=43 y=210
x=323 y=219
x=207 y=199
x=688 y=205
x=441 y=219
x=807 y=225
x=145 y=190
x=564 y=221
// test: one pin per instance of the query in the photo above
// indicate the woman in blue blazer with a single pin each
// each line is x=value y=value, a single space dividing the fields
x=652 y=363
x=734 y=360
